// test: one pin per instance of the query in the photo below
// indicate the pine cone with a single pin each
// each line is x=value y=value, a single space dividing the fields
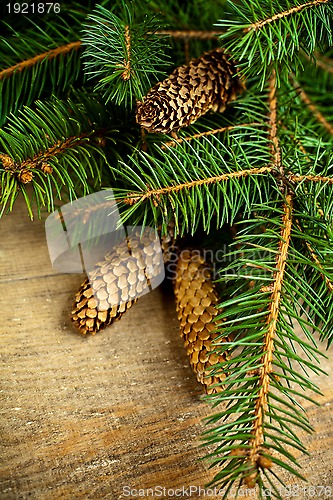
x=87 y=318
x=118 y=279
x=205 y=84
x=196 y=301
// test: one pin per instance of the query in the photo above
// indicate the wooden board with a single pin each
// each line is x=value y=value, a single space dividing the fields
x=95 y=417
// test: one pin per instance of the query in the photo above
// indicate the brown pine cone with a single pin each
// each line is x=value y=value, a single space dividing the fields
x=205 y=84
x=85 y=315
x=116 y=282
x=196 y=303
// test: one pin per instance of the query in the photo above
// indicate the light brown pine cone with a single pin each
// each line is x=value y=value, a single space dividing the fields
x=196 y=303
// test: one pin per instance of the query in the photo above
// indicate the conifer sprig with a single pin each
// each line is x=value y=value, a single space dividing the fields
x=57 y=148
x=125 y=57
x=262 y=35
x=173 y=185
x=257 y=315
x=258 y=428
x=37 y=61
x=320 y=117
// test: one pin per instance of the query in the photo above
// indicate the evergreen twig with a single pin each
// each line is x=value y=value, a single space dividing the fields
x=157 y=193
x=32 y=61
x=280 y=15
x=305 y=98
x=179 y=140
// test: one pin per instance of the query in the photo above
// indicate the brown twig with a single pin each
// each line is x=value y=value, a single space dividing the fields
x=23 y=170
x=310 y=178
x=199 y=34
x=209 y=132
x=156 y=193
x=312 y=107
x=50 y=54
x=275 y=149
x=57 y=148
x=268 y=348
x=275 y=289
x=294 y=10
x=126 y=75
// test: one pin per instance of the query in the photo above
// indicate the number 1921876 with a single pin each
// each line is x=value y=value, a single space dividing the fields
x=33 y=8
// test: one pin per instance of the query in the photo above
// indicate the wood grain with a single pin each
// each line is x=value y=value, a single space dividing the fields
x=85 y=417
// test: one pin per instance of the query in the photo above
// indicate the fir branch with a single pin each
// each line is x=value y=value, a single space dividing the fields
x=40 y=60
x=264 y=36
x=32 y=61
x=208 y=132
x=310 y=178
x=280 y=15
x=157 y=193
x=261 y=403
x=41 y=158
x=272 y=321
x=254 y=314
x=264 y=284
x=307 y=101
x=123 y=56
x=56 y=148
x=64 y=49
x=60 y=147
x=186 y=34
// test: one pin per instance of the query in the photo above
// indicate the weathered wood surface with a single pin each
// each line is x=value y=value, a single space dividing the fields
x=86 y=417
